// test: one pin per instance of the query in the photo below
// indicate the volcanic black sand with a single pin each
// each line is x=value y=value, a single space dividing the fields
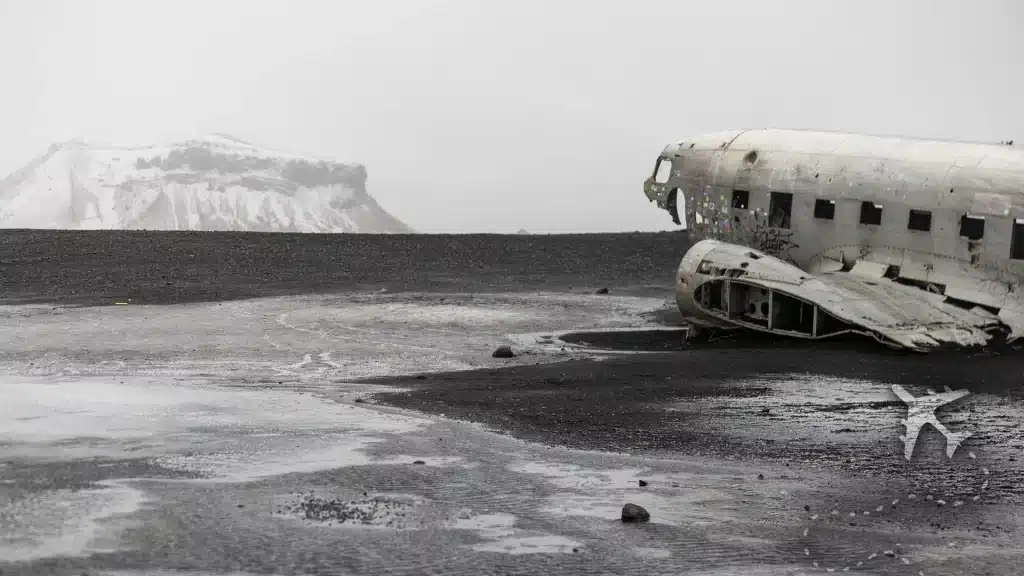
x=99 y=267
x=610 y=405
x=618 y=404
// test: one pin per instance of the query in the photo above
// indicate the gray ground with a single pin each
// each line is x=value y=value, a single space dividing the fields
x=246 y=437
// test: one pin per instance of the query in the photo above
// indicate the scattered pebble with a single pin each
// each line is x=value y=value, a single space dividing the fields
x=643 y=483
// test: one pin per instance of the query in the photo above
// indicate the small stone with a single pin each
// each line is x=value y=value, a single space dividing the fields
x=421 y=377
x=601 y=291
x=765 y=410
x=360 y=401
x=503 y=352
x=241 y=505
x=419 y=462
x=807 y=508
x=635 y=513
x=760 y=476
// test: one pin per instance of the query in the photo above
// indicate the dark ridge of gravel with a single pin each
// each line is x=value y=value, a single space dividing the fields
x=162 y=267
x=618 y=404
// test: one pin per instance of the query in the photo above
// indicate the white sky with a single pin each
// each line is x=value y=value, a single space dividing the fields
x=488 y=116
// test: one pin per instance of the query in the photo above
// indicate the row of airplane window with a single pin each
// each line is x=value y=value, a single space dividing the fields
x=971 y=227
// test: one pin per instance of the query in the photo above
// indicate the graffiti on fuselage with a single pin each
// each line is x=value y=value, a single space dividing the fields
x=774 y=241
x=756 y=233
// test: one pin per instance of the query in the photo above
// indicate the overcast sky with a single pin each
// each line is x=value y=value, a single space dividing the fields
x=480 y=115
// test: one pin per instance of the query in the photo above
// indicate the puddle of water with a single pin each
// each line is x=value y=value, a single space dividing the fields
x=66 y=522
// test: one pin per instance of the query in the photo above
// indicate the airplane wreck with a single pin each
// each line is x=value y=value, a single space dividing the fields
x=916 y=243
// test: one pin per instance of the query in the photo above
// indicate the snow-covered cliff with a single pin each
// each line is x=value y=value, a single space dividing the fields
x=211 y=183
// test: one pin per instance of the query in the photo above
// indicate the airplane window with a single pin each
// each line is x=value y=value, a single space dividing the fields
x=825 y=209
x=972 y=227
x=870 y=213
x=1017 y=240
x=920 y=220
x=663 y=170
x=779 y=209
x=740 y=199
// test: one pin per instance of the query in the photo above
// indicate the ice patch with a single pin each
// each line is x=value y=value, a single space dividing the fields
x=66 y=522
x=301 y=455
x=505 y=538
x=575 y=477
x=225 y=433
x=547 y=544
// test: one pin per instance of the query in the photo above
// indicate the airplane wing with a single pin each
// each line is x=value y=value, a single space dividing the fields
x=751 y=289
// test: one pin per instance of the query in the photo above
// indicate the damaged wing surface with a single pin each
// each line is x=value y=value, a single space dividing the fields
x=750 y=289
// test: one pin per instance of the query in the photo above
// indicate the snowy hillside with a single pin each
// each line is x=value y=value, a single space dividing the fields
x=212 y=183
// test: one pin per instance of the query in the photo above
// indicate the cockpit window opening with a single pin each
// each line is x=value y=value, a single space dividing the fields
x=663 y=170
x=740 y=199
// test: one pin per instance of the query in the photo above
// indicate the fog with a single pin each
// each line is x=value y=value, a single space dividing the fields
x=485 y=116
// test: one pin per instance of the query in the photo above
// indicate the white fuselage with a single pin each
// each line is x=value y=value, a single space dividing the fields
x=947 y=217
